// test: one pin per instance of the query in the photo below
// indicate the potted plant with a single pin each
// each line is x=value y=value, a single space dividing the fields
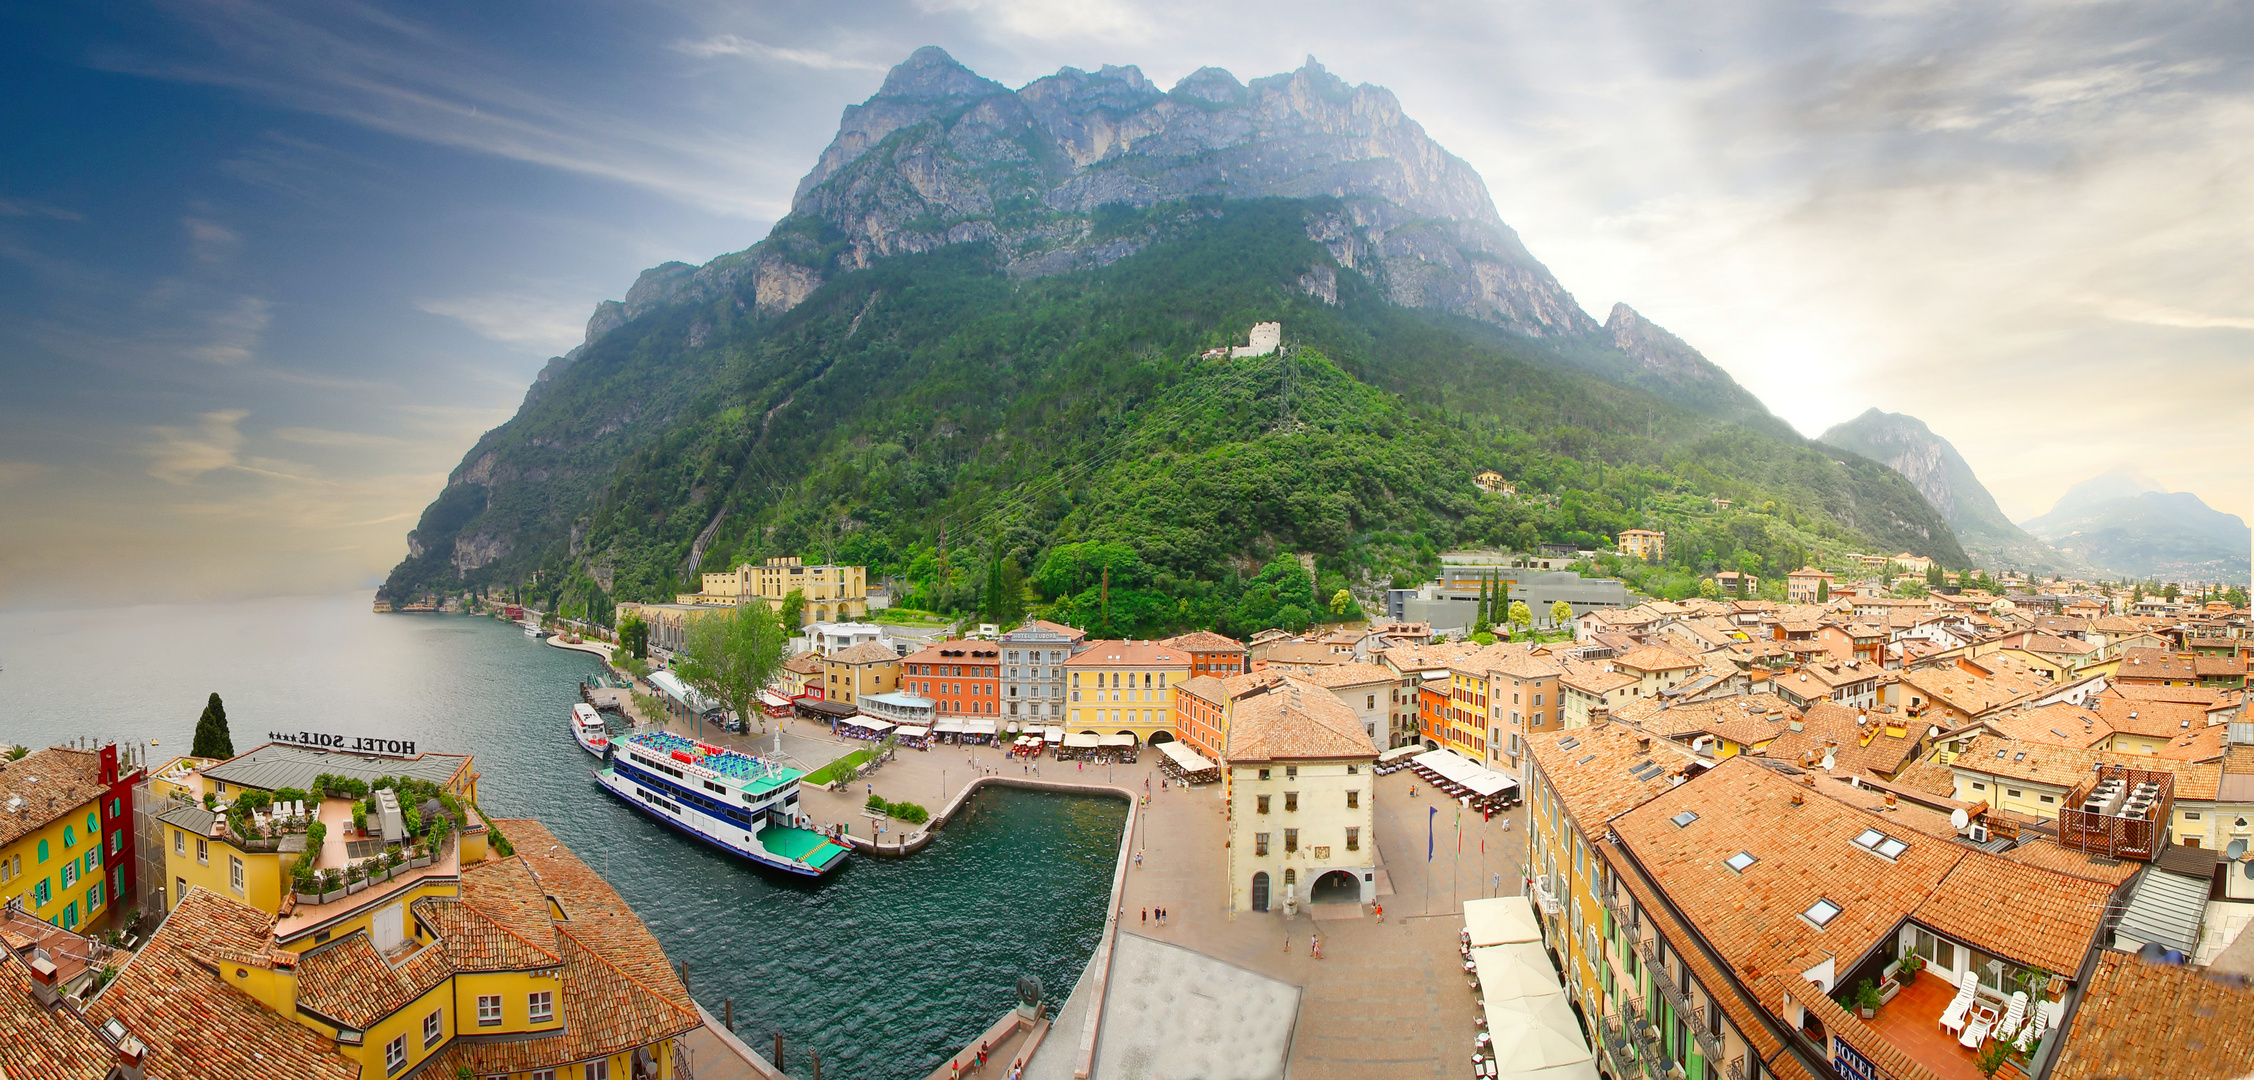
x=331 y=884
x=1911 y=965
x=360 y=818
x=395 y=858
x=354 y=880
x=307 y=891
x=1866 y=999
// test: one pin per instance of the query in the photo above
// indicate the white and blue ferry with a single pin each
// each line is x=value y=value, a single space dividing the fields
x=736 y=802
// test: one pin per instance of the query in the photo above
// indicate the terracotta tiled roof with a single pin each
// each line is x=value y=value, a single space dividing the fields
x=1970 y=693
x=2045 y=852
x=196 y=1026
x=2066 y=766
x=1204 y=641
x=2198 y=695
x=44 y=1044
x=1341 y=676
x=805 y=663
x=2063 y=723
x=1653 y=658
x=2018 y=910
x=1876 y=1047
x=1292 y=722
x=52 y=783
x=1408 y=658
x=1929 y=777
x=2140 y=1019
x=1828 y=725
x=1599 y=772
x=476 y=942
x=1587 y=677
x=962 y=649
x=867 y=652
x=1113 y=653
x=2152 y=719
x=347 y=980
x=1288 y=652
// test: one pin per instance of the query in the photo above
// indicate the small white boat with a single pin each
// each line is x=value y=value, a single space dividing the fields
x=588 y=730
x=532 y=631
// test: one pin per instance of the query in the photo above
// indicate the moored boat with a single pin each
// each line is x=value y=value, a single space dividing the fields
x=740 y=803
x=588 y=729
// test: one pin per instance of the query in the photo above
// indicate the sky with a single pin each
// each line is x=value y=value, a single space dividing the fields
x=267 y=269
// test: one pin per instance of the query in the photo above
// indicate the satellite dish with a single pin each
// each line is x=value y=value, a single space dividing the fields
x=2237 y=849
x=2250 y=871
x=1958 y=819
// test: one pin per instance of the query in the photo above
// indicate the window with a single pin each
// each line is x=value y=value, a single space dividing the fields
x=598 y=1070
x=395 y=1055
x=488 y=1010
x=541 y=1006
x=1353 y=839
x=1881 y=844
x=1291 y=772
x=93 y=898
x=179 y=842
x=1353 y=800
x=1291 y=840
x=1263 y=800
x=1822 y=912
x=1684 y=819
x=2046 y=798
x=2013 y=792
x=1291 y=877
x=1740 y=861
x=43 y=856
x=2191 y=815
x=235 y=874
x=434 y=1027
x=43 y=843
x=1259 y=843
x=1978 y=786
x=203 y=851
x=1291 y=800
x=70 y=837
x=70 y=873
x=41 y=895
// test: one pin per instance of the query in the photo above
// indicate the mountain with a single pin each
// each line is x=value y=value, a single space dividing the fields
x=1906 y=445
x=2126 y=524
x=987 y=325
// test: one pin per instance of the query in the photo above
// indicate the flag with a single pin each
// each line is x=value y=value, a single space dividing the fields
x=1430 y=812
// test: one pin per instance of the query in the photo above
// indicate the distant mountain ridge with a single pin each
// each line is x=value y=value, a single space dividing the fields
x=2125 y=523
x=1906 y=445
x=980 y=293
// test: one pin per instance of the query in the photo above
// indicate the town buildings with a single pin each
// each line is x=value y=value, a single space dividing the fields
x=1033 y=657
x=1643 y=544
x=1301 y=824
x=831 y=593
x=961 y=676
x=67 y=841
x=1125 y=688
x=859 y=671
x=1210 y=653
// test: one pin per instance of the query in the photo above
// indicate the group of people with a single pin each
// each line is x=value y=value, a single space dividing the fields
x=1161 y=912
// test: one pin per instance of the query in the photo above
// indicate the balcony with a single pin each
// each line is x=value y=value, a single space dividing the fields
x=2120 y=813
x=1617 y=1045
x=1693 y=1016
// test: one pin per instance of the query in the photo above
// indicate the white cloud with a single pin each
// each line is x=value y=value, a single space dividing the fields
x=182 y=454
x=233 y=332
x=2128 y=309
x=32 y=208
x=1054 y=20
x=731 y=45
x=544 y=320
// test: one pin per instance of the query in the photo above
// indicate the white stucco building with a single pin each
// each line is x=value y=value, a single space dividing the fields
x=1300 y=787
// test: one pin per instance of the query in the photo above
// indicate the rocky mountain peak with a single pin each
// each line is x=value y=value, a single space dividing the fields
x=931 y=74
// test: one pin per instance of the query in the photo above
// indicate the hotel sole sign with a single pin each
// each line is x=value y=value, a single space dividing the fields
x=346 y=744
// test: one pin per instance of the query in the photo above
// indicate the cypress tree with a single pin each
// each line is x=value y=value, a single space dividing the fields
x=212 y=739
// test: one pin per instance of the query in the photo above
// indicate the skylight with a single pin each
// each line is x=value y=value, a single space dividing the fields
x=1822 y=912
x=1879 y=843
x=1740 y=861
x=1586 y=760
x=1684 y=819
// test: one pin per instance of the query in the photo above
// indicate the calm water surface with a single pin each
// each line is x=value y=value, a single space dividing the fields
x=885 y=969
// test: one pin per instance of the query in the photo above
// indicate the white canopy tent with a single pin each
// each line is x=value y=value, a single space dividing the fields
x=1501 y=920
x=978 y=727
x=1536 y=1035
x=1187 y=759
x=945 y=726
x=1084 y=740
x=1511 y=972
x=1116 y=741
x=1053 y=734
x=1463 y=772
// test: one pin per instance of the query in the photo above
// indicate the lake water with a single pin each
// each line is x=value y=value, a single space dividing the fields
x=886 y=968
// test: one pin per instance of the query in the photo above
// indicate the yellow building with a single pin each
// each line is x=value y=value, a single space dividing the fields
x=1577 y=781
x=527 y=966
x=1643 y=544
x=856 y=671
x=833 y=593
x=199 y=853
x=1124 y=688
x=55 y=845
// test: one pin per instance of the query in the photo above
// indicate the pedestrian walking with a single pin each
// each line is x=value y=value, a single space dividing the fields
x=1146 y=916
x=1138 y=860
x=1287 y=942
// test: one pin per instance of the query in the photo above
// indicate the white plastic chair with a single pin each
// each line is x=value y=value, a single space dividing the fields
x=1975 y=1034
x=1952 y=1018
x=2013 y=1017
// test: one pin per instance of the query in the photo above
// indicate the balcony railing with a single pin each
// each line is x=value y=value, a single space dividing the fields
x=1695 y=1015
x=1648 y=1048
x=1626 y=1064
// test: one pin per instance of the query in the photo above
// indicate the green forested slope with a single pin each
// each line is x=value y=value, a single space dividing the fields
x=1065 y=423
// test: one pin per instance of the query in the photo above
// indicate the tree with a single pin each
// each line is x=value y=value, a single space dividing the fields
x=793 y=614
x=1479 y=618
x=634 y=637
x=1823 y=591
x=731 y=655
x=1561 y=613
x=212 y=739
x=1294 y=618
x=2170 y=592
x=1933 y=576
x=1502 y=604
x=1711 y=591
x=1521 y=616
x=1339 y=602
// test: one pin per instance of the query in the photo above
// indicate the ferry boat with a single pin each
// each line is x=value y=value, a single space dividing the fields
x=588 y=729
x=741 y=804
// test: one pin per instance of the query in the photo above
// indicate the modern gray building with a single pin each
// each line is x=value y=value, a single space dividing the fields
x=1451 y=604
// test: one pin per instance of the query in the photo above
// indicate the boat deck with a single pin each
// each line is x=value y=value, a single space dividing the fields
x=760 y=775
x=805 y=845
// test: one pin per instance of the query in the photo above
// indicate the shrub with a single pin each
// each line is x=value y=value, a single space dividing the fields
x=316 y=834
x=908 y=812
x=876 y=802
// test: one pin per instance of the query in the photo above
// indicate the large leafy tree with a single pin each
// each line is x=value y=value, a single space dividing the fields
x=212 y=739
x=634 y=637
x=731 y=655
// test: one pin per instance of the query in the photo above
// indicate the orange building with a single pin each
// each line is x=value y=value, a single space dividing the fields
x=1210 y=654
x=961 y=676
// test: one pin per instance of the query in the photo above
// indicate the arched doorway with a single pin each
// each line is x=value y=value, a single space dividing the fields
x=1336 y=887
x=1430 y=746
x=1260 y=891
x=1157 y=737
x=1131 y=735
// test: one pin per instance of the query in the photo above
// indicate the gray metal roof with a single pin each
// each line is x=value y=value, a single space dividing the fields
x=2166 y=908
x=276 y=765
x=189 y=816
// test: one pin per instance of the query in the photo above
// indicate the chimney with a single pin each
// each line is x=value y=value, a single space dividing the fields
x=1799 y=799
x=1889 y=798
x=1643 y=742
x=43 y=982
x=1599 y=716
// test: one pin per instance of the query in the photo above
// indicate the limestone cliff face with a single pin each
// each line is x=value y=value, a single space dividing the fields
x=1932 y=465
x=940 y=155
